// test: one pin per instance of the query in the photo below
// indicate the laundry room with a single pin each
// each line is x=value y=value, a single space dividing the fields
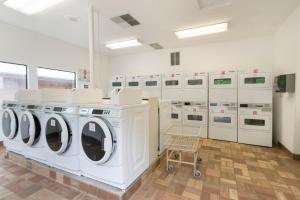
x=149 y=99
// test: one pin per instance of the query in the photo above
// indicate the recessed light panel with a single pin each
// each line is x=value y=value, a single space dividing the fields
x=205 y=30
x=124 y=44
x=30 y=7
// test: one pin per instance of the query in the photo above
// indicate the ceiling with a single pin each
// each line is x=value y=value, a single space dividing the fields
x=159 y=19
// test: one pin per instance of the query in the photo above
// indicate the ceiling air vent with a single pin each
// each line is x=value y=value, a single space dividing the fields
x=156 y=46
x=175 y=58
x=210 y=4
x=126 y=18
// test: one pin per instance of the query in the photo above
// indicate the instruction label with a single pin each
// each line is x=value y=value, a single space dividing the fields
x=92 y=127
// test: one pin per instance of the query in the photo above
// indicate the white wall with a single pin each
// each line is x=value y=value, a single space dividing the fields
x=286 y=60
x=22 y=46
x=247 y=53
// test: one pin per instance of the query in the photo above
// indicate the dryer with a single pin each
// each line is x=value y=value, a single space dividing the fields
x=195 y=122
x=195 y=87
x=172 y=87
x=10 y=127
x=31 y=122
x=176 y=118
x=255 y=124
x=134 y=82
x=117 y=82
x=114 y=143
x=62 y=136
x=152 y=86
x=223 y=121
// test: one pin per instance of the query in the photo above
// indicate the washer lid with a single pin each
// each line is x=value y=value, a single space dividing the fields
x=97 y=140
x=29 y=128
x=9 y=123
x=58 y=134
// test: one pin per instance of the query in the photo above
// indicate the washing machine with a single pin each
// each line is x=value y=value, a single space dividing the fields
x=31 y=122
x=172 y=87
x=255 y=86
x=195 y=122
x=10 y=127
x=62 y=136
x=223 y=121
x=134 y=82
x=118 y=82
x=223 y=87
x=152 y=86
x=255 y=124
x=114 y=143
x=195 y=87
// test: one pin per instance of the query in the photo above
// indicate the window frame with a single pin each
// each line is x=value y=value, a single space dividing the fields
x=26 y=67
x=75 y=80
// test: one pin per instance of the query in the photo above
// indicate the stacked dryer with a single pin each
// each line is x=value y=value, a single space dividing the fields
x=255 y=107
x=117 y=82
x=223 y=105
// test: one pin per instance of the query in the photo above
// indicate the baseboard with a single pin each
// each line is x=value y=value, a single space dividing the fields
x=294 y=156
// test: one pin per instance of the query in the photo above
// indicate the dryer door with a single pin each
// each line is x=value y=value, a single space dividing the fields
x=97 y=140
x=9 y=123
x=30 y=128
x=58 y=133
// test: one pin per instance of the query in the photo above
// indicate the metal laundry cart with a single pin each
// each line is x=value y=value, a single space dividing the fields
x=183 y=144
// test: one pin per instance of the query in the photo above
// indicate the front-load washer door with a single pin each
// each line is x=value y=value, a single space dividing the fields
x=30 y=128
x=97 y=140
x=58 y=134
x=256 y=122
x=9 y=123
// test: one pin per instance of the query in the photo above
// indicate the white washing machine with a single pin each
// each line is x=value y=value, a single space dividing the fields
x=223 y=87
x=10 y=127
x=223 y=121
x=195 y=122
x=62 y=136
x=114 y=143
x=172 y=87
x=255 y=124
x=134 y=82
x=118 y=82
x=31 y=122
x=255 y=86
x=152 y=86
x=195 y=87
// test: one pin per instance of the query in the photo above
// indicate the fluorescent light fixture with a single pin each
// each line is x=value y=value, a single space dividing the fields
x=204 y=30
x=30 y=7
x=124 y=44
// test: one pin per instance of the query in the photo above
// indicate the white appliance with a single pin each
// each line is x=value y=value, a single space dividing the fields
x=10 y=126
x=114 y=143
x=176 y=118
x=172 y=87
x=195 y=122
x=31 y=122
x=195 y=87
x=223 y=87
x=223 y=121
x=255 y=86
x=134 y=82
x=126 y=96
x=255 y=124
x=164 y=125
x=152 y=86
x=62 y=136
x=117 y=82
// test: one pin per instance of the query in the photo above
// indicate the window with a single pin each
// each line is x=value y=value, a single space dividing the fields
x=12 y=78
x=51 y=78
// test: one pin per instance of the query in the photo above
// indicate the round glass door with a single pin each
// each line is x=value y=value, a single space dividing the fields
x=97 y=140
x=9 y=123
x=58 y=134
x=30 y=128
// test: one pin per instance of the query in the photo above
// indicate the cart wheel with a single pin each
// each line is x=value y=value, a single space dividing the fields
x=197 y=173
x=199 y=160
x=169 y=168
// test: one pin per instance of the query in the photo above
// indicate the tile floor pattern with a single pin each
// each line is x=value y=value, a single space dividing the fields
x=229 y=171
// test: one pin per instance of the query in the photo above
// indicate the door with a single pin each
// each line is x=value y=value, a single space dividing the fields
x=192 y=118
x=58 y=133
x=222 y=119
x=97 y=140
x=134 y=82
x=30 y=128
x=176 y=115
x=255 y=80
x=255 y=122
x=195 y=81
x=9 y=122
x=223 y=80
x=118 y=82
x=152 y=82
x=172 y=81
